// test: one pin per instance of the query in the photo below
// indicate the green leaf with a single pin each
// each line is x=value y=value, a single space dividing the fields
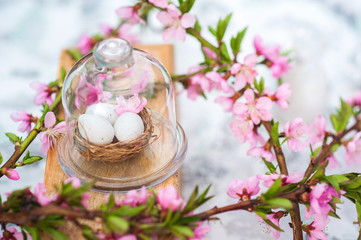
x=88 y=234
x=264 y=217
x=197 y=26
x=259 y=85
x=188 y=220
x=12 y=137
x=269 y=165
x=117 y=224
x=358 y=208
x=333 y=214
x=222 y=27
x=186 y=6
x=33 y=232
x=183 y=230
x=279 y=203
x=62 y=75
x=1 y=158
x=213 y=31
x=341 y=118
x=128 y=211
x=202 y=198
x=274 y=189
x=27 y=160
x=237 y=41
x=55 y=234
x=354 y=184
x=75 y=54
x=274 y=135
x=144 y=237
x=190 y=203
x=224 y=53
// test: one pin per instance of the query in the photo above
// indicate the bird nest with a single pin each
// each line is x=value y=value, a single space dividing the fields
x=116 y=151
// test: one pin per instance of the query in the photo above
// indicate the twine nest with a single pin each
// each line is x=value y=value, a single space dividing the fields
x=116 y=151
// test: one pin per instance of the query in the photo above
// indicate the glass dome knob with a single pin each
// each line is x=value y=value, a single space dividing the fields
x=113 y=52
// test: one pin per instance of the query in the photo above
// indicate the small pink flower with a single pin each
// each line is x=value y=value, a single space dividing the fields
x=243 y=190
x=175 y=22
x=261 y=152
x=200 y=79
x=315 y=229
x=268 y=180
x=127 y=237
x=44 y=93
x=219 y=82
x=18 y=235
x=209 y=53
x=353 y=150
x=134 y=197
x=160 y=3
x=129 y=13
x=194 y=91
x=245 y=73
x=256 y=109
x=200 y=231
x=280 y=66
x=53 y=131
x=41 y=196
x=25 y=119
x=275 y=220
x=320 y=200
x=105 y=29
x=226 y=102
x=269 y=52
x=168 y=198
x=242 y=129
x=11 y=173
x=317 y=130
x=133 y=104
x=84 y=44
x=125 y=32
x=296 y=132
x=282 y=94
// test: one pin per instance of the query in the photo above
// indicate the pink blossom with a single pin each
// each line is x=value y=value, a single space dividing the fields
x=317 y=130
x=332 y=162
x=11 y=173
x=15 y=234
x=133 y=104
x=209 y=53
x=256 y=109
x=134 y=197
x=43 y=94
x=353 y=150
x=314 y=230
x=261 y=152
x=282 y=94
x=53 y=131
x=25 y=119
x=106 y=29
x=320 y=200
x=127 y=237
x=200 y=231
x=85 y=44
x=219 y=82
x=125 y=32
x=168 y=198
x=245 y=73
x=242 y=129
x=226 y=102
x=160 y=3
x=194 y=91
x=296 y=132
x=142 y=83
x=275 y=220
x=74 y=181
x=175 y=22
x=268 y=180
x=243 y=190
x=88 y=93
x=355 y=100
x=41 y=196
x=200 y=79
x=269 y=52
x=280 y=66
x=129 y=13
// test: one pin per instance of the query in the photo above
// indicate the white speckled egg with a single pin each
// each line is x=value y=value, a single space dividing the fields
x=128 y=126
x=104 y=110
x=95 y=129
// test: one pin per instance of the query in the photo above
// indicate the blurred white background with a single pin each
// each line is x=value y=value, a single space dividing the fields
x=325 y=36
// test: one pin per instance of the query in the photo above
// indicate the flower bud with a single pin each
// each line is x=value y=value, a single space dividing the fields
x=11 y=174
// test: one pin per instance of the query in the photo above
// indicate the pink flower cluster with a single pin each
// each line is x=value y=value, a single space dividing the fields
x=52 y=132
x=176 y=23
x=88 y=94
x=279 y=64
x=133 y=104
x=168 y=198
x=244 y=73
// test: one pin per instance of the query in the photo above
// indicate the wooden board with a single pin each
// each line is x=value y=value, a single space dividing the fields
x=54 y=175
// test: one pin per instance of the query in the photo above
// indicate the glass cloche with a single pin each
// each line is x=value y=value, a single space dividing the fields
x=122 y=131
